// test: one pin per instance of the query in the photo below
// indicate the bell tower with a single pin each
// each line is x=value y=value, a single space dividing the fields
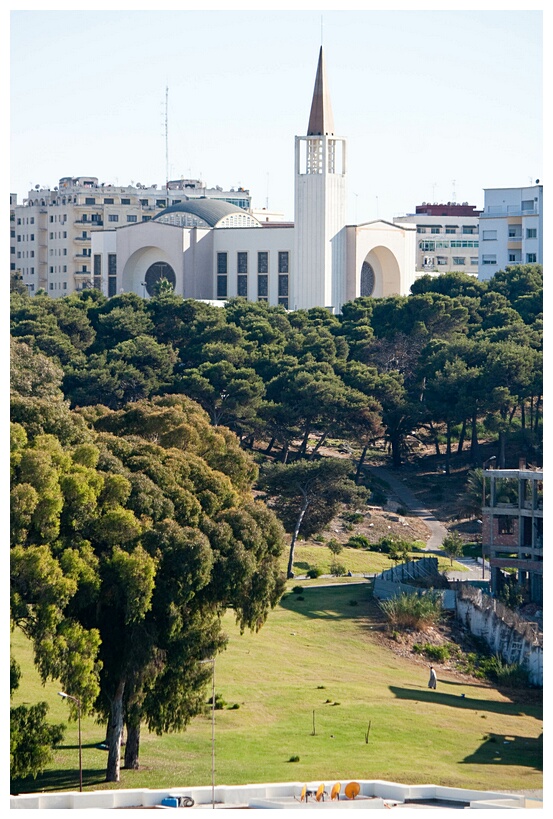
x=320 y=207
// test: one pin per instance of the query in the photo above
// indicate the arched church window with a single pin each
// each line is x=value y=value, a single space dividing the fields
x=156 y=272
x=367 y=280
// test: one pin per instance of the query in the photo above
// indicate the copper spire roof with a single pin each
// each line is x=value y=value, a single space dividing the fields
x=321 y=121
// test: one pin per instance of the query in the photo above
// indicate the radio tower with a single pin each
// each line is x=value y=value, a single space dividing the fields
x=166 y=143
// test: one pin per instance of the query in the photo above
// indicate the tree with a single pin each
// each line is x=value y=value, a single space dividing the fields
x=307 y=495
x=453 y=545
x=32 y=738
x=127 y=550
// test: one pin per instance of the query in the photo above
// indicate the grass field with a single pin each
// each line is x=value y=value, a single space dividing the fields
x=317 y=664
x=357 y=561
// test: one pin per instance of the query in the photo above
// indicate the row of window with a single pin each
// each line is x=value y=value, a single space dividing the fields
x=457 y=261
x=465 y=229
x=491 y=258
x=262 y=275
x=514 y=233
x=454 y=243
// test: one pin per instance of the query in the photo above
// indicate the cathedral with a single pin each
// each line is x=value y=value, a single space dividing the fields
x=213 y=250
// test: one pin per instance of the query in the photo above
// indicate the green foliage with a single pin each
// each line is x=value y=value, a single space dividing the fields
x=452 y=545
x=439 y=653
x=335 y=547
x=337 y=569
x=358 y=542
x=313 y=572
x=32 y=738
x=413 y=611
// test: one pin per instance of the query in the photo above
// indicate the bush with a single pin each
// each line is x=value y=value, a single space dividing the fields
x=337 y=569
x=353 y=517
x=437 y=653
x=297 y=589
x=401 y=510
x=313 y=572
x=335 y=547
x=413 y=610
x=294 y=759
x=359 y=542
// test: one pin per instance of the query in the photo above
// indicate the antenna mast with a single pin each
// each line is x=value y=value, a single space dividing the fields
x=166 y=140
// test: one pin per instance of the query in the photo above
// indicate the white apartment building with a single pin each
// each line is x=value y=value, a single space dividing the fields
x=447 y=237
x=50 y=233
x=511 y=228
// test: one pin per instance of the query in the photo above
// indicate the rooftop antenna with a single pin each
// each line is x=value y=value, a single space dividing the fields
x=454 y=195
x=166 y=140
x=267 y=199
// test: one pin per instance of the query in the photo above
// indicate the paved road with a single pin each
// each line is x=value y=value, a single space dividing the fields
x=437 y=530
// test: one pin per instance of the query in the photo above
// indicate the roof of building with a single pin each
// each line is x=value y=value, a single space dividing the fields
x=321 y=121
x=210 y=210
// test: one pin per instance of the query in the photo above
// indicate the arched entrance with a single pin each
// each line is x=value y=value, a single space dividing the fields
x=379 y=275
x=143 y=270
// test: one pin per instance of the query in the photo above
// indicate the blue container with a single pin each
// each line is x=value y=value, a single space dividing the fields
x=170 y=802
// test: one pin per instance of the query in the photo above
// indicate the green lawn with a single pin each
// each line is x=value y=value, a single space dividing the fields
x=319 y=658
x=358 y=561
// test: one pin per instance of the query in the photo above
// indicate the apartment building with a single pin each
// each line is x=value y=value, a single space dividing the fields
x=50 y=241
x=447 y=237
x=511 y=228
x=512 y=528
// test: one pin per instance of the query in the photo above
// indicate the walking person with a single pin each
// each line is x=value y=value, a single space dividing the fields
x=433 y=679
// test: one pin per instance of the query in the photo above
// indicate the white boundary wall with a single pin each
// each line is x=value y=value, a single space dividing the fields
x=277 y=796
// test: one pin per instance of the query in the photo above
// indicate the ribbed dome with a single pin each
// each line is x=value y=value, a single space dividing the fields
x=209 y=211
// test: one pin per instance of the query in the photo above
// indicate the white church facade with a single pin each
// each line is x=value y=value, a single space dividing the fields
x=214 y=250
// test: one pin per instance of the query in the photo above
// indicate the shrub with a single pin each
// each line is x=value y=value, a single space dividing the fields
x=337 y=569
x=417 y=611
x=437 y=653
x=353 y=517
x=313 y=572
x=359 y=542
x=297 y=589
x=401 y=510
x=335 y=547
x=294 y=759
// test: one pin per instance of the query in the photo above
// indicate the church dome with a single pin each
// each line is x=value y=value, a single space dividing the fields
x=206 y=213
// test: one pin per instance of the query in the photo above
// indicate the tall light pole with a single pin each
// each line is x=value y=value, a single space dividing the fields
x=75 y=699
x=484 y=465
x=212 y=661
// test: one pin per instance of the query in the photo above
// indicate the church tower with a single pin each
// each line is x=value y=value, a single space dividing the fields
x=320 y=207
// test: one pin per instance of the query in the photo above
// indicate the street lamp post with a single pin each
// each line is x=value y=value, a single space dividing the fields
x=75 y=699
x=484 y=465
x=212 y=661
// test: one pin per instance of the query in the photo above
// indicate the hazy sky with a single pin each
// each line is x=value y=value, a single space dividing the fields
x=435 y=105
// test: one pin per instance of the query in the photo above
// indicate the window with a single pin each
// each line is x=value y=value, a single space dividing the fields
x=108 y=200
x=112 y=264
x=435 y=230
x=442 y=260
x=144 y=203
x=160 y=203
x=242 y=286
x=427 y=245
x=146 y=218
x=514 y=256
x=262 y=287
x=514 y=232
x=125 y=201
x=505 y=525
x=421 y=230
x=89 y=200
x=458 y=260
x=262 y=261
x=470 y=229
x=222 y=266
x=450 y=229
x=242 y=263
x=283 y=262
x=32 y=237
x=531 y=233
x=113 y=217
x=221 y=287
x=531 y=258
x=131 y=218
x=489 y=235
x=65 y=285
x=489 y=260
x=527 y=204
x=282 y=287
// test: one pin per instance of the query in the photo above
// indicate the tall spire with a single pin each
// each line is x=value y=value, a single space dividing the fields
x=321 y=121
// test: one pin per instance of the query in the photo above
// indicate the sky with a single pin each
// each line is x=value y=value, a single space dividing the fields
x=436 y=105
